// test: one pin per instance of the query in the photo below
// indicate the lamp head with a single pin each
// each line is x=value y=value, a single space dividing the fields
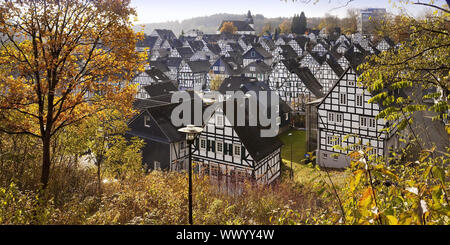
x=191 y=132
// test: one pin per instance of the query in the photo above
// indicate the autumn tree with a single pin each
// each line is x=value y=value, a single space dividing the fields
x=267 y=29
x=349 y=24
x=228 y=27
x=62 y=61
x=216 y=81
x=329 y=22
x=285 y=27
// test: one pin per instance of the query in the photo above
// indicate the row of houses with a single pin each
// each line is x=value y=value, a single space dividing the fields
x=311 y=74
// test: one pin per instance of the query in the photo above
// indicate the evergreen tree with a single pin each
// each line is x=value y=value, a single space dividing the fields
x=277 y=33
x=294 y=25
x=302 y=23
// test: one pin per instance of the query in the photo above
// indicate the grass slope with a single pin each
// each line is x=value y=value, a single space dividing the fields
x=304 y=174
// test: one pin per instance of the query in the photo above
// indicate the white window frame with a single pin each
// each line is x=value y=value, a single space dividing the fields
x=146 y=119
x=217 y=147
x=343 y=96
x=219 y=122
x=237 y=153
x=203 y=140
x=331 y=116
x=157 y=165
x=359 y=98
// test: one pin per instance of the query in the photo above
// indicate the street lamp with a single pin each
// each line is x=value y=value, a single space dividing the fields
x=292 y=170
x=191 y=132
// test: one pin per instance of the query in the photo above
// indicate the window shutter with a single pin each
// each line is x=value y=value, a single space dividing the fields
x=213 y=146
x=230 y=149
x=208 y=145
x=225 y=149
x=242 y=152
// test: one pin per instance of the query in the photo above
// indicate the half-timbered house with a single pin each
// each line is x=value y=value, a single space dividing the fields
x=257 y=53
x=193 y=75
x=346 y=118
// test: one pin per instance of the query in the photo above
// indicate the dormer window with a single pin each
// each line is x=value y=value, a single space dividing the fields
x=253 y=54
x=147 y=121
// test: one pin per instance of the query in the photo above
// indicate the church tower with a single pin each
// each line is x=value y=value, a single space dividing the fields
x=250 y=19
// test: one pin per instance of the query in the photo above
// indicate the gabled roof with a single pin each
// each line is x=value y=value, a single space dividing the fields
x=141 y=104
x=159 y=65
x=165 y=34
x=196 y=45
x=332 y=62
x=250 y=136
x=162 y=115
x=260 y=68
x=171 y=61
x=236 y=47
x=148 y=41
x=160 y=88
x=288 y=52
x=261 y=51
x=156 y=74
x=185 y=52
x=199 y=66
x=214 y=48
x=355 y=59
x=310 y=81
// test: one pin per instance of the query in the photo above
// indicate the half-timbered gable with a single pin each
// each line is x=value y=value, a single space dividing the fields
x=329 y=73
x=258 y=70
x=294 y=84
x=159 y=53
x=385 y=44
x=299 y=44
x=229 y=154
x=267 y=44
x=283 y=52
x=255 y=54
x=163 y=34
x=282 y=40
x=320 y=49
x=193 y=75
x=311 y=60
x=225 y=67
x=346 y=111
x=145 y=78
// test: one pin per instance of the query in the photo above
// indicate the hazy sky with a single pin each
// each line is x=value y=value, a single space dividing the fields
x=169 y=10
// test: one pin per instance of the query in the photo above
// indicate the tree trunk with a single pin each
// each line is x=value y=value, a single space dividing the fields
x=45 y=162
x=99 y=178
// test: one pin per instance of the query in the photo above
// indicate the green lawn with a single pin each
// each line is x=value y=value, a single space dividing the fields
x=302 y=173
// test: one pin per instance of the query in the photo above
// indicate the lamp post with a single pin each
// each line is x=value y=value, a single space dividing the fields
x=292 y=170
x=191 y=133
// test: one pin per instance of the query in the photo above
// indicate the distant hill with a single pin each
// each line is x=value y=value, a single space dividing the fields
x=209 y=24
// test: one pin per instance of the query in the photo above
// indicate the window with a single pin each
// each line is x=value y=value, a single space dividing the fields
x=219 y=120
x=222 y=68
x=253 y=53
x=325 y=156
x=236 y=150
x=215 y=68
x=147 y=121
x=339 y=118
x=202 y=144
x=351 y=83
x=331 y=116
x=336 y=157
x=368 y=122
x=219 y=147
x=157 y=165
x=359 y=100
x=333 y=140
x=342 y=98
x=252 y=68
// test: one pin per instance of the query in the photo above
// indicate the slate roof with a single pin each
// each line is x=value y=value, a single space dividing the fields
x=160 y=88
x=159 y=65
x=156 y=74
x=148 y=41
x=165 y=34
x=260 y=68
x=288 y=52
x=258 y=147
x=214 y=48
x=355 y=59
x=310 y=81
x=261 y=51
x=199 y=66
x=185 y=52
x=196 y=45
x=332 y=62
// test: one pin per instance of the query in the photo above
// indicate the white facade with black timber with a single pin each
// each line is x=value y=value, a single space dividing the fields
x=346 y=111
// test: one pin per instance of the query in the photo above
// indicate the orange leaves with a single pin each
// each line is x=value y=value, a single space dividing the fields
x=366 y=201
